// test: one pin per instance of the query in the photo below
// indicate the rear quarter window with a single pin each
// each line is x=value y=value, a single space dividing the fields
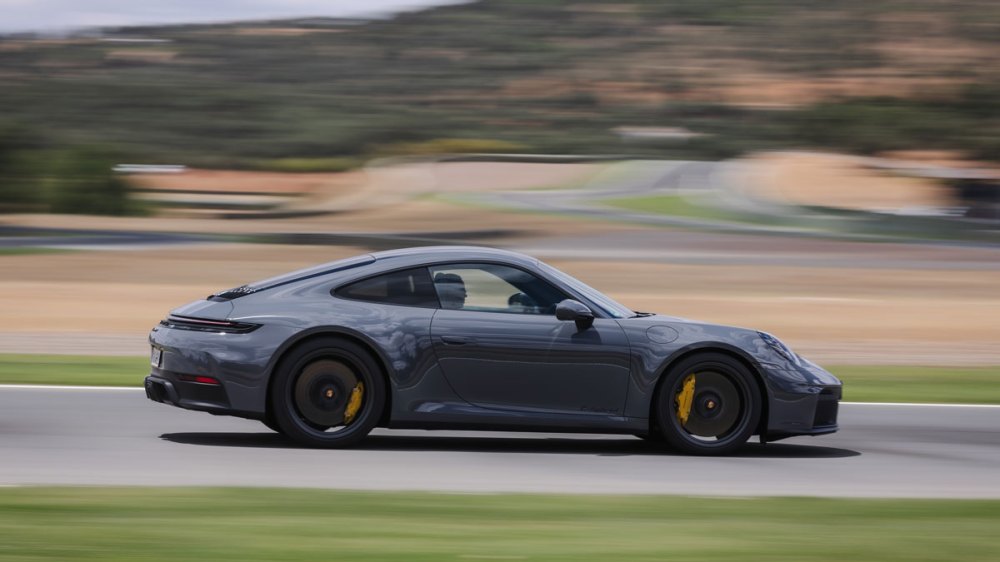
x=409 y=287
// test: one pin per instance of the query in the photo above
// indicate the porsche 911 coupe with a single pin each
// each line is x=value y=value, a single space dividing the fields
x=477 y=338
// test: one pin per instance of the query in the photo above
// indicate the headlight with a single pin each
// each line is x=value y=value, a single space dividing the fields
x=779 y=348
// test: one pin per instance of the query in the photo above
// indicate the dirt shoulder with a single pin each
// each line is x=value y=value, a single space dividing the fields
x=839 y=181
x=883 y=316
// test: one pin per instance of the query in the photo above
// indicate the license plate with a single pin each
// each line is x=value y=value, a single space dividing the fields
x=155 y=356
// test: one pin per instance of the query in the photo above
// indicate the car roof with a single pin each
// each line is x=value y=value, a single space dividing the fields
x=363 y=264
x=428 y=254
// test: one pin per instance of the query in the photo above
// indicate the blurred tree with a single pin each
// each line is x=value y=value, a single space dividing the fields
x=82 y=181
x=449 y=146
x=20 y=176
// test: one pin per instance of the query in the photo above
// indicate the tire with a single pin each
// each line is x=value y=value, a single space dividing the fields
x=725 y=405
x=313 y=390
x=271 y=424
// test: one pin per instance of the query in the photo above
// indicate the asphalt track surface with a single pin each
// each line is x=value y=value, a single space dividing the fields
x=118 y=437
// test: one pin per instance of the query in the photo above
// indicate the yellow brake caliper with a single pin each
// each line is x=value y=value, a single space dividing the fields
x=354 y=403
x=684 y=399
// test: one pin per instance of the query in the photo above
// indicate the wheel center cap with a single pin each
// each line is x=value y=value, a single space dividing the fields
x=328 y=393
x=708 y=405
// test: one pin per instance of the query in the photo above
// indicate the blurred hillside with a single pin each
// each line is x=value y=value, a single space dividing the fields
x=507 y=75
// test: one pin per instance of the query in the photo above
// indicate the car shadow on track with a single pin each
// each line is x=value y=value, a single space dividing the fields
x=625 y=446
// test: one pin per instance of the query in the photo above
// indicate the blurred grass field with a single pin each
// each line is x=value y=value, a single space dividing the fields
x=160 y=524
x=880 y=383
x=673 y=205
x=73 y=370
x=863 y=383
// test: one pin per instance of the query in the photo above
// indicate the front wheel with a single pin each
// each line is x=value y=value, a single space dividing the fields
x=328 y=393
x=708 y=404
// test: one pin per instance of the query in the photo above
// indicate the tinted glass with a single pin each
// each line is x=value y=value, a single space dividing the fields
x=410 y=287
x=494 y=288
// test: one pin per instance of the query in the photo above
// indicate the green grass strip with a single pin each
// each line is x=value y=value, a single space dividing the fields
x=672 y=205
x=93 y=370
x=32 y=250
x=268 y=524
x=879 y=383
x=867 y=383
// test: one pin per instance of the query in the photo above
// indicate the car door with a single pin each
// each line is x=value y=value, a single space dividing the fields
x=500 y=345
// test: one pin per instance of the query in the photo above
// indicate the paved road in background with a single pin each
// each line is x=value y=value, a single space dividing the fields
x=117 y=437
x=711 y=248
x=637 y=178
x=68 y=239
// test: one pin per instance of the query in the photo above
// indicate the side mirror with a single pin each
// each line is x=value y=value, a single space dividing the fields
x=576 y=311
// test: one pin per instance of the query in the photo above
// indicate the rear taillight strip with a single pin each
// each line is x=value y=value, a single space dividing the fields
x=206 y=325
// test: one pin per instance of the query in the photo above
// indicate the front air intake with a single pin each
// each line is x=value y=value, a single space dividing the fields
x=826 y=408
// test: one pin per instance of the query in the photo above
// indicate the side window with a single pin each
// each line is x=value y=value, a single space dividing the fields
x=410 y=287
x=493 y=288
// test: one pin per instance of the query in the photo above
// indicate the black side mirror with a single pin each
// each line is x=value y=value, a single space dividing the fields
x=576 y=311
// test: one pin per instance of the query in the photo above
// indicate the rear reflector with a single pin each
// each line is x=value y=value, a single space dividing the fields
x=200 y=379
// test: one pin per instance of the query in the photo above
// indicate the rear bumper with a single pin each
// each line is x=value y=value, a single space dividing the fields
x=165 y=387
x=240 y=362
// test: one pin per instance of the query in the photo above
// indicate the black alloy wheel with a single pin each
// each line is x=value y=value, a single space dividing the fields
x=328 y=392
x=708 y=404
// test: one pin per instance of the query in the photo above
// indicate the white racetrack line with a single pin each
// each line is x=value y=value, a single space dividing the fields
x=922 y=404
x=67 y=387
x=81 y=387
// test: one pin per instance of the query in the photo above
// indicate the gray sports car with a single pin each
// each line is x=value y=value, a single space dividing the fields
x=477 y=338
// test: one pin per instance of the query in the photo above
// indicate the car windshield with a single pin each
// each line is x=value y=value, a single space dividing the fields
x=608 y=305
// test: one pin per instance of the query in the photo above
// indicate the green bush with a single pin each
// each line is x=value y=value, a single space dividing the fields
x=304 y=165
x=81 y=181
x=449 y=146
x=76 y=180
x=870 y=125
x=20 y=172
x=20 y=180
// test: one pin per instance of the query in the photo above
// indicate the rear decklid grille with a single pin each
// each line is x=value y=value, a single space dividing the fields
x=234 y=293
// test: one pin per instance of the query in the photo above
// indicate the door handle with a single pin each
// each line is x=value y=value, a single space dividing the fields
x=457 y=340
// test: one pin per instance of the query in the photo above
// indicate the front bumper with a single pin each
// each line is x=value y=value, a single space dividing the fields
x=804 y=400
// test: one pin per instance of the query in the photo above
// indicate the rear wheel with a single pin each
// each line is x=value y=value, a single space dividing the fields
x=328 y=393
x=271 y=424
x=708 y=404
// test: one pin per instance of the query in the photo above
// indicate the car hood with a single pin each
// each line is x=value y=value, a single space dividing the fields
x=663 y=329
x=663 y=319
